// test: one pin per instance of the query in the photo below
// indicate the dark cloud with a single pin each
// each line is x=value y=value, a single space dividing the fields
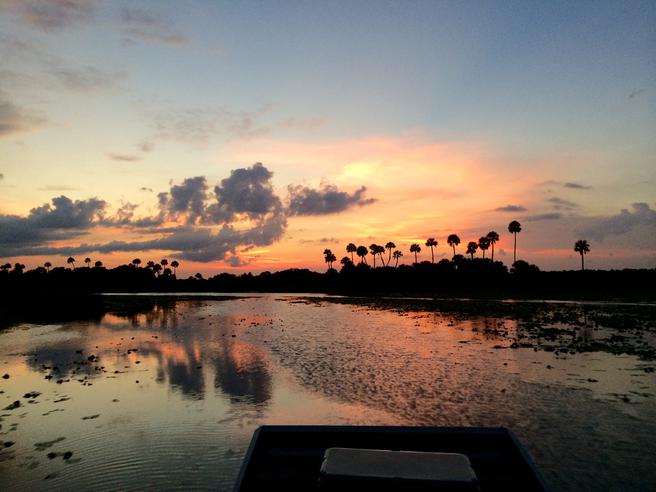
x=571 y=185
x=124 y=157
x=247 y=191
x=511 y=208
x=243 y=212
x=14 y=119
x=326 y=200
x=61 y=219
x=641 y=216
x=577 y=186
x=143 y=188
x=146 y=25
x=323 y=240
x=187 y=199
x=560 y=204
x=547 y=216
x=51 y=14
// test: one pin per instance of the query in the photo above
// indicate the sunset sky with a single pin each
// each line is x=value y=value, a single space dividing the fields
x=132 y=129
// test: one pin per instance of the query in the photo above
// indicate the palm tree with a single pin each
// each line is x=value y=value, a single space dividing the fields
x=346 y=261
x=493 y=237
x=87 y=261
x=397 y=254
x=329 y=258
x=514 y=227
x=374 y=249
x=390 y=246
x=484 y=244
x=453 y=241
x=98 y=264
x=472 y=246
x=582 y=247
x=136 y=262
x=381 y=250
x=362 y=251
x=351 y=248
x=71 y=261
x=164 y=262
x=431 y=243
x=47 y=264
x=157 y=268
x=150 y=264
x=175 y=266
x=415 y=248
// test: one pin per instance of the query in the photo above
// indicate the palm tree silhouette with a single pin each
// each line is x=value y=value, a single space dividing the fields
x=157 y=268
x=484 y=244
x=362 y=251
x=582 y=247
x=351 y=248
x=98 y=264
x=47 y=264
x=374 y=249
x=415 y=248
x=514 y=227
x=71 y=261
x=493 y=237
x=472 y=246
x=175 y=266
x=453 y=241
x=390 y=246
x=397 y=254
x=136 y=262
x=150 y=264
x=87 y=261
x=329 y=258
x=164 y=262
x=431 y=243
x=345 y=261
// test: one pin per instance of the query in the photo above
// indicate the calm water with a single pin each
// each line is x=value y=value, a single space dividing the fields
x=175 y=388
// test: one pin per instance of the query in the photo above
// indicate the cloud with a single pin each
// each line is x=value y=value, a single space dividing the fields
x=541 y=217
x=560 y=204
x=641 y=215
x=187 y=199
x=143 y=188
x=146 y=146
x=511 y=208
x=323 y=240
x=86 y=78
x=2 y=176
x=63 y=218
x=326 y=200
x=242 y=212
x=571 y=185
x=57 y=188
x=577 y=186
x=124 y=157
x=147 y=26
x=199 y=125
x=14 y=119
x=50 y=15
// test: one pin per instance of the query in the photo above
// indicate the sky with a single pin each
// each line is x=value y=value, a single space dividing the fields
x=250 y=136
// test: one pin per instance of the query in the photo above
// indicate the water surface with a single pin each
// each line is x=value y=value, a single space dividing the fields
x=164 y=393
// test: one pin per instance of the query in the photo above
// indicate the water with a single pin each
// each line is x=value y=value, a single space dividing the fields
x=176 y=386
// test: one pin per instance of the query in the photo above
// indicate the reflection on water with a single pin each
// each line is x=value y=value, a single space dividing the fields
x=152 y=383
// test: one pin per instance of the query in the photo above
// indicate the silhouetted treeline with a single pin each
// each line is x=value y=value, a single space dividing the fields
x=458 y=277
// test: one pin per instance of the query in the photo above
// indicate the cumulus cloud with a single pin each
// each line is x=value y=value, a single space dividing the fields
x=511 y=208
x=641 y=215
x=242 y=212
x=51 y=14
x=325 y=200
x=15 y=119
x=61 y=219
x=146 y=25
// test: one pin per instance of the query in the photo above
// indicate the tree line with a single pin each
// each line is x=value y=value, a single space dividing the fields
x=483 y=244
